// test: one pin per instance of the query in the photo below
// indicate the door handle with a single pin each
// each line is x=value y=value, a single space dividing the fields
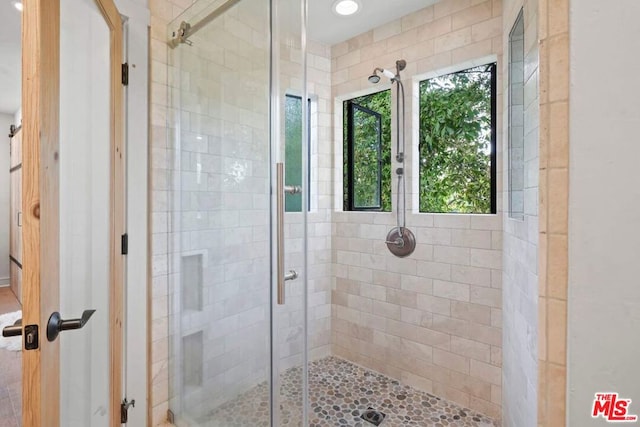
x=56 y=324
x=14 y=330
x=280 y=230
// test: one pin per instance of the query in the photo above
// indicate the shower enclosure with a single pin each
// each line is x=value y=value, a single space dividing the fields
x=237 y=310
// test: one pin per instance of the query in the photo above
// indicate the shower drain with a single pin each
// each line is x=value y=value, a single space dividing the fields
x=373 y=416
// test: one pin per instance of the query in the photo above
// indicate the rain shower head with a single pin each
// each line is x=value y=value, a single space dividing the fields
x=375 y=78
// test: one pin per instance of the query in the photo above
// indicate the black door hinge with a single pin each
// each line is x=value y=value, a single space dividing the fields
x=125 y=244
x=124 y=410
x=125 y=74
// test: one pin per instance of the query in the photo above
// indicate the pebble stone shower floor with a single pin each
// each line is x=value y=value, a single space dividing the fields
x=339 y=392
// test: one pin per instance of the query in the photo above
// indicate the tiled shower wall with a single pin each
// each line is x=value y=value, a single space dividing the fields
x=219 y=260
x=434 y=319
x=520 y=260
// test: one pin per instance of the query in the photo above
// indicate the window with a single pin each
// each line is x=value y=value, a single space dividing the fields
x=293 y=151
x=516 y=120
x=457 y=145
x=367 y=148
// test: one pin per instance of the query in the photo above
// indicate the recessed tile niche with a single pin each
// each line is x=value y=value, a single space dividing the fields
x=192 y=282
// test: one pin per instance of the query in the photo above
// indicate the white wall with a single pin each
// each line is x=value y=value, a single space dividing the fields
x=5 y=194
x=604 y=206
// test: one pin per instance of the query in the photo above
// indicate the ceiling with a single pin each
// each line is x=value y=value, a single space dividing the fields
x=10 y=58
x=327 y=27
x=323 y=26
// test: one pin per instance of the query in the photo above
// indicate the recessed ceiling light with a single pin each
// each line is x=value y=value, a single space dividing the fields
x=18 y=5
x=346 y=7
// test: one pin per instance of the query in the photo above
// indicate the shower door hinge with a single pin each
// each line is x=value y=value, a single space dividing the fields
x=124 y=409
x=125 y=74
x=124 y=244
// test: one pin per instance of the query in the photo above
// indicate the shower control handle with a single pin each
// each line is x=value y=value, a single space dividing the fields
x=398 y=242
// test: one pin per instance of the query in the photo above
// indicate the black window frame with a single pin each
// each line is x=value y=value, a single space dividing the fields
x=349 y=200
x=491 y=67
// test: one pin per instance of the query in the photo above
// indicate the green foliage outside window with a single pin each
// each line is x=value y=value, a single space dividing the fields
x=455 y=142
x=367 y=176
x=293 y=151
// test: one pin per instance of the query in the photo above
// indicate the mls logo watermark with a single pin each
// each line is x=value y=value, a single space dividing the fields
x=612 y=408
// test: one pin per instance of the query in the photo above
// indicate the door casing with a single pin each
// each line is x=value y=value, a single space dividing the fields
x=40 y=206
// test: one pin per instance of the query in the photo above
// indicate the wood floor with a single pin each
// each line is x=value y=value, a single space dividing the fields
x=8 y=301
x=10 y=371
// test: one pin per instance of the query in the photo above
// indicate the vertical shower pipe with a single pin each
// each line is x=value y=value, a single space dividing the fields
x=400 y=240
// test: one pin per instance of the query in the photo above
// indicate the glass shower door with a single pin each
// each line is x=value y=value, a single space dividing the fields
x=235 y=353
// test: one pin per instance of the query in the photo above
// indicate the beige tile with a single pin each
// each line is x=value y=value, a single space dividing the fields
x=496 y=394
x=543 y=202
x=557 y=266
x=474 y=313
x=543 y=394
x=433 y=338
x=487 y=29
x=557 y=331
x=449 y=7
x=471 y=275
x=450 y=361
x=485 y=407
x=471 y=15
x=543 y=27
x=433 y=304
x=496 y=356
x=559 y=135
x=452 y=40
x=470 y=385
x=435 y=28
x=558 y=17
x=435 y=62
x=486 y=372
x=450 y=325
x=542 y=329
x=558 y=200
x=486 y=296
x=558 y=78
x=485 y=334
x=471 y=349
x=556 y=398
x=450 y=393
x=542 y=263
x=418 y=18
x=402 y=298
x=451 y=290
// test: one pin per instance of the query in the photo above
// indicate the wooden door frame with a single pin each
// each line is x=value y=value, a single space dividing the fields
x=40 y=206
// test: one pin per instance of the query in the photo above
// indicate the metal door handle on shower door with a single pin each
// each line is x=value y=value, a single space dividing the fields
x=280 y=191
